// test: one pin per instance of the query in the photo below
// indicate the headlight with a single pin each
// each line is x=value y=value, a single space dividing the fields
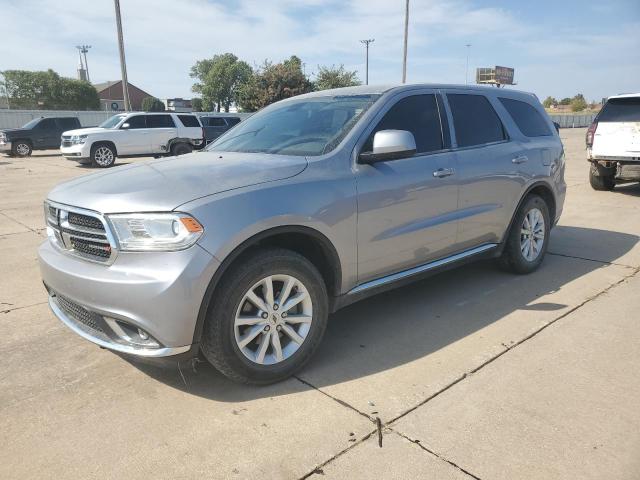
x=155 y=231
x=3 y=137
x=78 y=139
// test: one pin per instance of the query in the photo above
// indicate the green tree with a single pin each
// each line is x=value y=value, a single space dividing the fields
x=565 y=101
x=196 y=104
x=549 y=102
x=48 y=90
x=578 y=103
x=219 y=79
x=335 y=77
x=273 y=82
x=152 y=104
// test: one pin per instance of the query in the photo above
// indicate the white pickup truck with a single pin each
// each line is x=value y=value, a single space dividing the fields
x=133 y=135
x=613 y=143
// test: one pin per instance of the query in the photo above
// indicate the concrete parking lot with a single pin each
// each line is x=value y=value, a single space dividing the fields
x=474 y=373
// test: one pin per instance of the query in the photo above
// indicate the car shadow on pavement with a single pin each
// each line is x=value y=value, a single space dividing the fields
x=414 y=321
x=632 y=189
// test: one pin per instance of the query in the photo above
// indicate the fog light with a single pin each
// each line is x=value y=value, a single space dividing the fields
x=143 y=335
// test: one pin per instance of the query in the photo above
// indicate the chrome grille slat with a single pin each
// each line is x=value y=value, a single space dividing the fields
x=81 y=232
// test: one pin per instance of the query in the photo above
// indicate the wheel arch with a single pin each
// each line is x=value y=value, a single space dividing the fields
x=109 y=143
x=543 y=190
x=306 y=241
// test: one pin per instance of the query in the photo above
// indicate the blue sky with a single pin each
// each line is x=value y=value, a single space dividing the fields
x=557 y=48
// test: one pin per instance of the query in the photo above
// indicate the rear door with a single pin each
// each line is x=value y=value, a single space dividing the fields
x=45 y=134
x=489 y=174
x=162 y=128
x=618 y=129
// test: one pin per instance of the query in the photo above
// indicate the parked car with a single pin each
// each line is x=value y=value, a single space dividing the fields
x=215 y=125
x=38 y=134
x=133 y=135
x=241 y=251
x=613 y=143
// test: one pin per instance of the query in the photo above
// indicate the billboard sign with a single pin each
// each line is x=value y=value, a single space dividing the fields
x=504 y=75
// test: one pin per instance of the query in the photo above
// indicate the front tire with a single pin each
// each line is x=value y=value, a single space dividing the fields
x=21 y=148
x=528 y=238
x=602 y=178
x=266 y=318
x=103 y=155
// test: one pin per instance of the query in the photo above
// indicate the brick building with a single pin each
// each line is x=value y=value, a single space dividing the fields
x=110 y=94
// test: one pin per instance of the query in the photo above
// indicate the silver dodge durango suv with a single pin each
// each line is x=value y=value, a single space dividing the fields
x=241 y=251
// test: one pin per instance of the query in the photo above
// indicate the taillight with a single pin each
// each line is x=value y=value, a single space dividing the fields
x=591 y=131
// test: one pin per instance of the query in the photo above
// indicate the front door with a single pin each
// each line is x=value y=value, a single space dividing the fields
x=407 y=207
x=134 y=139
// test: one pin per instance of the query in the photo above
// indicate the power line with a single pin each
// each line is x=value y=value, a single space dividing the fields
x=366 y=68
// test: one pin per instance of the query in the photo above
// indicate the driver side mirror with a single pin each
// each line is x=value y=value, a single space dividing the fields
x=125 y=126
x=389 y=145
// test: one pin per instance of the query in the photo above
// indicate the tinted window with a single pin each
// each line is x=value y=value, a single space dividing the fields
x=67 y=123
x=47 y=124
x=621 y=110
x=233 y=120
x=528 y=119
x=475 y=120
x=419 y=115
x=189 y=120
x=216 y=122
x=137 y=121
x=160 y=121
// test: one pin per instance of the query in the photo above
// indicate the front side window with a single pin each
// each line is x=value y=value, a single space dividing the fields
x=160 y=121
x=47 y=124
x=475 y=120
x=308 y=126
x=111 y=122
x=137 y=121
x=417 y=114
x=527 y=118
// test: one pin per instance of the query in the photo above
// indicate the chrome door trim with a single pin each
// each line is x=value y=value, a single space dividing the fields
x=421 y=268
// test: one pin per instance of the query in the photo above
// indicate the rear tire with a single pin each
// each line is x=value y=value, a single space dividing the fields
x=103 y=155
x=181 y=149
x=21 y=148
x=602 y=178
x=237 y=329
x=528 y=238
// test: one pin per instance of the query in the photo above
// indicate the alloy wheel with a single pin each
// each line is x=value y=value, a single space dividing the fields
x=22 y=149
x=532 y=233
x=103 y=156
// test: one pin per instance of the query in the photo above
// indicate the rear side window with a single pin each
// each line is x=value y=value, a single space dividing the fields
x=527 y=118
x=419 y=115
x=216 y=122
x=47 y=124
x=160 y=121
x=68 y=123
x=475 y=120
x=137 y=121
x=233 y=120
x=189 y=120
x=621 y=110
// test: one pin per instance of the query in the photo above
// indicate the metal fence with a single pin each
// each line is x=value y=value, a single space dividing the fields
x=573 y=121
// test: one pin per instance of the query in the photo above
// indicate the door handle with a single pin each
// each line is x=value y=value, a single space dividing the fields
x=520 y=159
x=443 y=172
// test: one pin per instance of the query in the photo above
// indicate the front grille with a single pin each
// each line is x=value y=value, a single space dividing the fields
x=66 y=141
x=94 y=249
x=79 y=313
x=80 y=232
x=85 y=221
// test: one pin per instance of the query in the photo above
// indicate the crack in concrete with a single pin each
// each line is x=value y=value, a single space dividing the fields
x=440 y=457
x=590 y=260
x=23 y=306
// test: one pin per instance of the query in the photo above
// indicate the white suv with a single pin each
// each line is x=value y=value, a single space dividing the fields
x=613 y=142
x=132 y=135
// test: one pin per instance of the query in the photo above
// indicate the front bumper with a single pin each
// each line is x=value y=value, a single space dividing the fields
x=158 y=292
x=5 y=146
x=76 y=152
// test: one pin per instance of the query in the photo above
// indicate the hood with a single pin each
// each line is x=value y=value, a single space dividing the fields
x=11 y=132
x=85 y=131
x=165 y=184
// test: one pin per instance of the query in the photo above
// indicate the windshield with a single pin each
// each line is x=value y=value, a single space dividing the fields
x=31 y=123
x=112 y=121
x=310 y=126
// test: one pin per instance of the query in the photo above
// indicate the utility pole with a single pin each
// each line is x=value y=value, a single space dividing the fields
x=123 y=64
x=406 y=37
x=82 y=50
x=366 y=67
x=466 y=72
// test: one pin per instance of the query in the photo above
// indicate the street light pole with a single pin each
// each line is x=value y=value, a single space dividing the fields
x=466 y=72
x=123 y=64
x=406 y=36
x=366 y=68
